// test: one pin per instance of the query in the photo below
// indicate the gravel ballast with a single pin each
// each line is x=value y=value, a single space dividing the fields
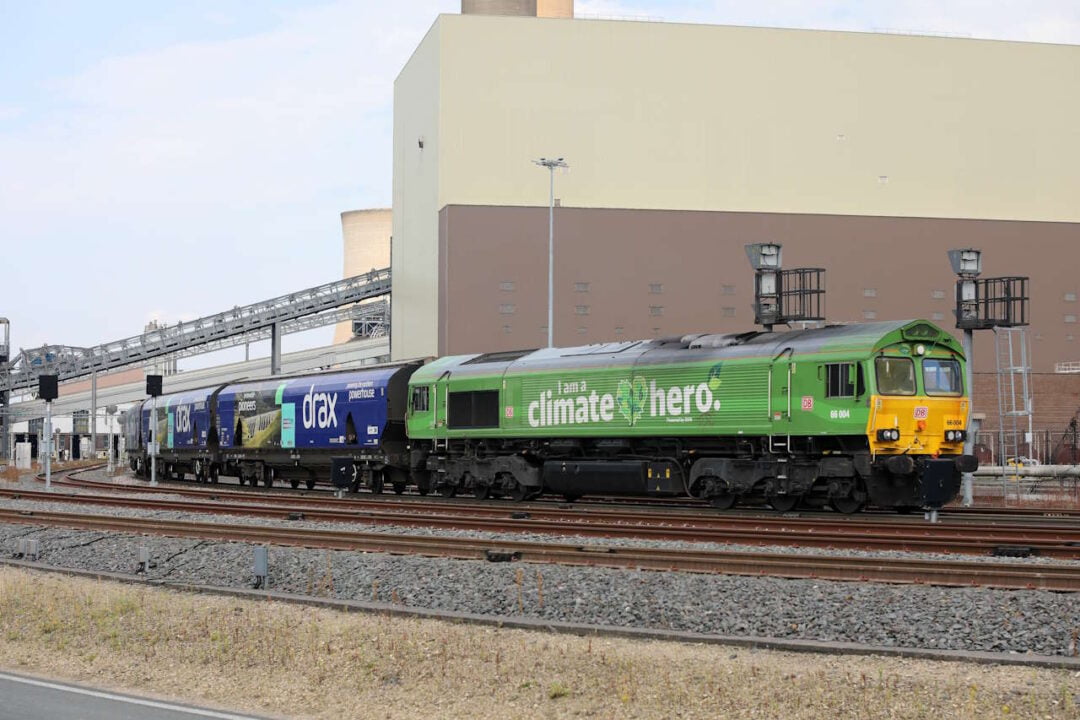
x=914 y=616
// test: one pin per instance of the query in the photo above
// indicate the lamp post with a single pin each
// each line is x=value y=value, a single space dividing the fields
x=551 y=165
x=967 y=264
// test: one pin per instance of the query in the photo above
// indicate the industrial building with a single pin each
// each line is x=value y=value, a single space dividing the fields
x=869 y=155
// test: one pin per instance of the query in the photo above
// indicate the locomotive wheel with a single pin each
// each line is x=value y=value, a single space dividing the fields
x=214 y=474
x=482 y=492
x=310 y=483
x=378 y=484
x=725 y=501
x=294 y=483
x=448 y=491
x=399 y=487
x=784 y=503
x=268 y=477
x=847 y=505
x=519 y=493
x=571 y=498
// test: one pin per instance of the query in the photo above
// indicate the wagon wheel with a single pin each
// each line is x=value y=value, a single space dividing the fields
x=399 y=487
x=268 y=477
x=200 y=471
x=481 y=492
x=378 y=483
x=784 y=503
x=519 y=492
x=571 y=498
x=850 y=503
x=723 y=501
x=447 y=491
x=310 y=483
x=214 y=474
x=294 y=483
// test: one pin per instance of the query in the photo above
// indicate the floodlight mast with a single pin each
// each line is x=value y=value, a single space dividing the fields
x=551 y=164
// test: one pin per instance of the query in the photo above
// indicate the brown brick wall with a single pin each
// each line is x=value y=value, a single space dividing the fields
x=1055 y=399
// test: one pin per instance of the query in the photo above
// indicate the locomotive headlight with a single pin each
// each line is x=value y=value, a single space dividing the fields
x=955 y=435
x=920 y=349
x=888 y=435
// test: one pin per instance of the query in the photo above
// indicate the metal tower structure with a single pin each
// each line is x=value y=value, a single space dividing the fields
x=272 y=318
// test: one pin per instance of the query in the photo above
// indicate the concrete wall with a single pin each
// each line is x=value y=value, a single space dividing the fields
x=366 y=240
x=671 y=116
x=414 y=254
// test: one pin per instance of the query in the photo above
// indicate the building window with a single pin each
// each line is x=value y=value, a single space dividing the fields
x=937 y=316
x=582 y=330
x=581 y=309
x=656 y=309
x=869 y=314
x=656 y=331
x=619 y=329
x=507 y=309
x=869 y=292
x=1069 y=338
x=1070 y=297
x=656 y=288
x=937 y=294
x=729 y=312
x=506 y=329
x=727 y=289
x=1070 y=318
x=581 y=287
x=507 y=285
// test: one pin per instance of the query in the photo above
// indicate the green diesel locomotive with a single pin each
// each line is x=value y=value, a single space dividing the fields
x=843 y=415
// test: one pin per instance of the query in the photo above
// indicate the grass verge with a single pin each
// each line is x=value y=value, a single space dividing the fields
x=284 y=660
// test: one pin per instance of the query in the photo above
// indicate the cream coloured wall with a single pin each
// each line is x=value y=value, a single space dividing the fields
x=366 y=239
x=414 y=250
x=656 y=115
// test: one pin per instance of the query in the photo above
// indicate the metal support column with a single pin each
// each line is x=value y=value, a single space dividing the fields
x=153 y=441
x=275 y=349
x=969 y=443
x=48 y=445
x=93 y=413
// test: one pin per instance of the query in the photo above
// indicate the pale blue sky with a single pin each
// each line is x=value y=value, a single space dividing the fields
x=173 y=159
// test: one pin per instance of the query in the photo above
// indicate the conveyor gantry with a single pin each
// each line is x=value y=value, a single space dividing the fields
x=269 y=318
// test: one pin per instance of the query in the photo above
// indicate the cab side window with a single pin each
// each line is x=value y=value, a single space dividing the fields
x=842 y=380
x=420 y=398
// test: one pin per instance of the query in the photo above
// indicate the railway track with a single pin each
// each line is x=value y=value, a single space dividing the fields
x=651 y=506
x=951 y=572
x=1053 y=542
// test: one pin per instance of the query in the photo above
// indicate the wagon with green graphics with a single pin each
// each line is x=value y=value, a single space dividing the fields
x=842 y=415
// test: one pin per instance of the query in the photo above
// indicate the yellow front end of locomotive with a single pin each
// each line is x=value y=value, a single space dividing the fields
x=917 y=425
